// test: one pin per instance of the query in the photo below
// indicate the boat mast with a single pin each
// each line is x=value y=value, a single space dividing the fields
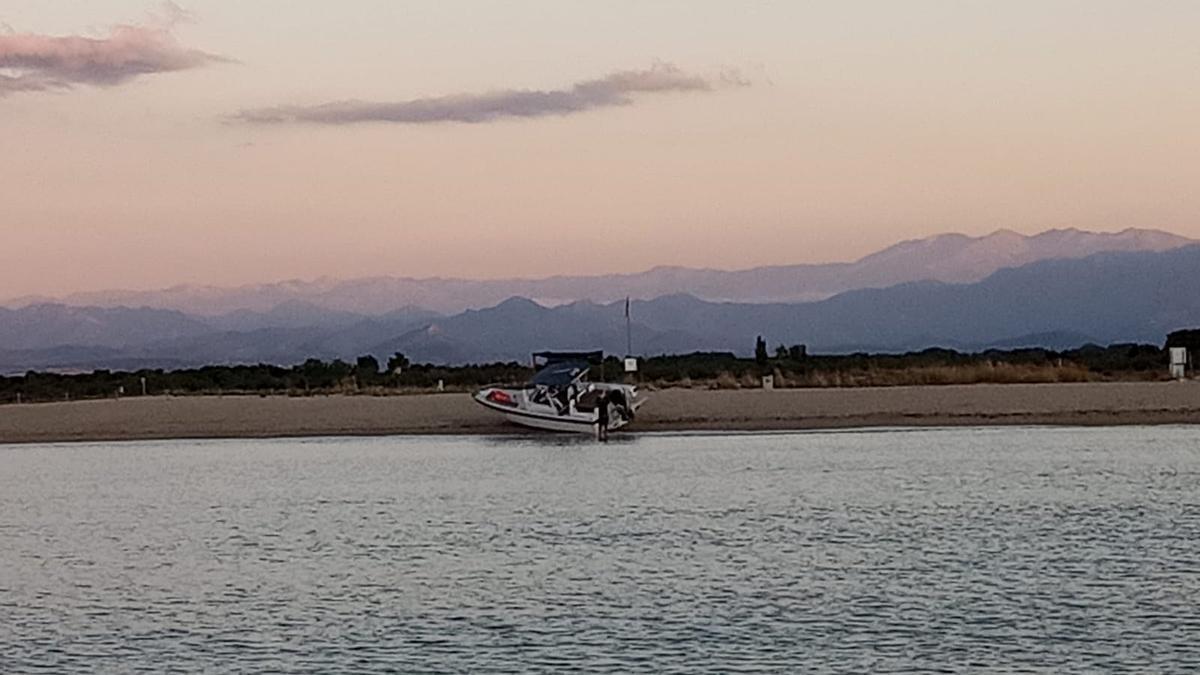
x=628 y=331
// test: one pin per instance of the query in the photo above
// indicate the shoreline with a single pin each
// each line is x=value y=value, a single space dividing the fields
x=208 y=417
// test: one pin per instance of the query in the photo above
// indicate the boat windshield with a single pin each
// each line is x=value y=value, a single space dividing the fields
x=560 y=374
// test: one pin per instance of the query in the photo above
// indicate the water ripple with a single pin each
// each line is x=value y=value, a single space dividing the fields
x=1018 y=550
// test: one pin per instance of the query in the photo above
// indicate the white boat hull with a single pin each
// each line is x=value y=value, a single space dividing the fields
x=559 y=424
x=571 y=423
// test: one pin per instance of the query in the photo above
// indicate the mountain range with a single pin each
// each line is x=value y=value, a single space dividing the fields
x=1105 y=298
x=950 y=258
x=1058 y=303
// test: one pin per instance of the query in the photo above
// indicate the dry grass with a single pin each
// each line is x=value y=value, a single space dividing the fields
x=992 y=373
x=725 y=380
x=981 y=373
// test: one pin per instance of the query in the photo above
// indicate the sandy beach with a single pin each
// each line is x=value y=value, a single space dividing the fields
x=667 y=410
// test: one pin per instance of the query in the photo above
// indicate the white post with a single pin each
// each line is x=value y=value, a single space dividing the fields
x=1179 y=362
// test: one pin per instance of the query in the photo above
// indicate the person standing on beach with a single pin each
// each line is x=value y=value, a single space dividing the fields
x=602 y=417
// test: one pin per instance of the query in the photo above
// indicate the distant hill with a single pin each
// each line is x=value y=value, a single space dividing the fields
x=49 y=325
x=1104 y=298
x=1110 y=297
x=951 y=258
x=70 y=338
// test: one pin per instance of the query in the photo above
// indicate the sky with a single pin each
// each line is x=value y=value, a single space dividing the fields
x=146 y=145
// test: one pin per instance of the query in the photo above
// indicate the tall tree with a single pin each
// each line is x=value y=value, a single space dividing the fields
x=397 y=362
x=366 y=369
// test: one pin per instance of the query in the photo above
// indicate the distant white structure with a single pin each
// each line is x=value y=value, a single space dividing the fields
x=630 y=365
x=1179 y=362
x=768 y=381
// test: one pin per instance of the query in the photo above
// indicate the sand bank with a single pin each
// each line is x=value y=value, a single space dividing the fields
x=668 y=410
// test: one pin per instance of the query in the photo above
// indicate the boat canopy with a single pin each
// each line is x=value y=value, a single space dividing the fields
x=560 y=374
x=549 y=357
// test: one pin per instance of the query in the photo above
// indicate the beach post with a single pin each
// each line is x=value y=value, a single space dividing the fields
x=1179 y=362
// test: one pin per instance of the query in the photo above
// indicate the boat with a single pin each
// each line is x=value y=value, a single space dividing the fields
x=561 y=398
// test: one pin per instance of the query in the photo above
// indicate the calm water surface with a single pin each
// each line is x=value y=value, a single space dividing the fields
x=1008 y=550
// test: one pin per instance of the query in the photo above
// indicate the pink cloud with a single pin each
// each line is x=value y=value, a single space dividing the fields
x=615 y=89
x=44 y=62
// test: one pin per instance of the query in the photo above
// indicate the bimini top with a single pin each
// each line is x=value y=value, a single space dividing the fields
x=557 y=357
x=560 y=374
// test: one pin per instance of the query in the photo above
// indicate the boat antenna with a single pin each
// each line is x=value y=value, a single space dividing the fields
x=628 y=330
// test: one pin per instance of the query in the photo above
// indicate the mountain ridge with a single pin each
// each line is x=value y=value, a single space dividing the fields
x=1108 y=297
x=950 y=257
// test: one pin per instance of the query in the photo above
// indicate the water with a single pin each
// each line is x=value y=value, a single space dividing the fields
x=1040 y=550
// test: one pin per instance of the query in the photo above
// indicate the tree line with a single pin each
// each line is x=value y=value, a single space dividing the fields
x=794 y=363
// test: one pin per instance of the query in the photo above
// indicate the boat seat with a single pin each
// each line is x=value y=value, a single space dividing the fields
x=588 y=401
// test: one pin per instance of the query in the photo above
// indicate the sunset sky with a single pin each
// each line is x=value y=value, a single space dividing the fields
x=218 y=142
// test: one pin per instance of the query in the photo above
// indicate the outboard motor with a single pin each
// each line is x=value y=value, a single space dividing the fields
x=617 y=398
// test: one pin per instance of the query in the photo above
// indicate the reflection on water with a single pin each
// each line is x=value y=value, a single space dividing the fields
x=1046 y=550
